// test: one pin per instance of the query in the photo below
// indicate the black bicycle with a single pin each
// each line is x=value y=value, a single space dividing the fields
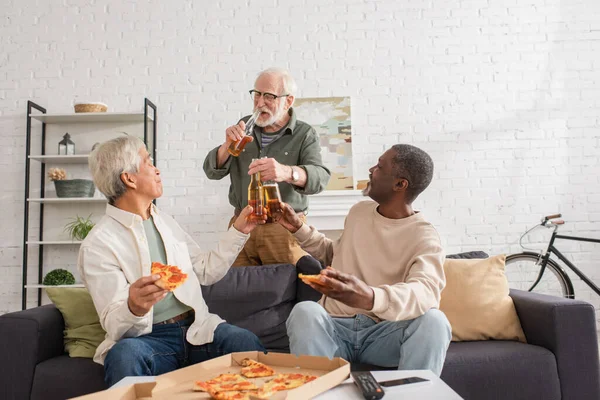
x=527 y=270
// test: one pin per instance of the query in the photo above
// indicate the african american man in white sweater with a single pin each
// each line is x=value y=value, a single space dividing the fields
x=382 y=292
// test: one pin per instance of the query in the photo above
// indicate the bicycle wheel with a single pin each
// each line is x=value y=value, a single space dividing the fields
x=522 y=270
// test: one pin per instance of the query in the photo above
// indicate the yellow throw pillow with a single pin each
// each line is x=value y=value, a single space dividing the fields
x=83 y=332
x=476 y=301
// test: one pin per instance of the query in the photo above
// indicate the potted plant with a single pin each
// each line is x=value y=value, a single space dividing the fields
x=59 y=277
x=70 y=187
x=79 y=227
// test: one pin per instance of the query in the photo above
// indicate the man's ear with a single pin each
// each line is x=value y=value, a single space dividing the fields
x=289 y=101
x=129 y=180
x=400 y=185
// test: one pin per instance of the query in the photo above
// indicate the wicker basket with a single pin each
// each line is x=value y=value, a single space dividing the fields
x=90 y=107
x=74 y=188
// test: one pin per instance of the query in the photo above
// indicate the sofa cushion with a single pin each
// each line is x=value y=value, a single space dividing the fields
x=476 y=300
x=64 y=377
x=258 y=299
x=83 y=332
x=495 y=370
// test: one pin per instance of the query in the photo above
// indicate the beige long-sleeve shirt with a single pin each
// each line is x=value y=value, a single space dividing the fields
x=401 y=259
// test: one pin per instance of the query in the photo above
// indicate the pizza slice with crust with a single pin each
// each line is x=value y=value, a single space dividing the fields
x=223 y=383
x=171 y=277
x=255 y=369
x=285 y=382
x=311 y=278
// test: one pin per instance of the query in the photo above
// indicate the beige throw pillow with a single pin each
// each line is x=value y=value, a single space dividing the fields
x=476 y=301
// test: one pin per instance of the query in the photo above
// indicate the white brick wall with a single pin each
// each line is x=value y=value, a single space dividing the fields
x=504 y=97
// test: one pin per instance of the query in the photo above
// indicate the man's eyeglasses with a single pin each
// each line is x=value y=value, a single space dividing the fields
x=268 y=97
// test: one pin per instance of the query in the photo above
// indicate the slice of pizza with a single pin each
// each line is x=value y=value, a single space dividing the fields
x=255 y=369
x=285 y=382
x=171 y=277
x=311 y=278
x=224 y=382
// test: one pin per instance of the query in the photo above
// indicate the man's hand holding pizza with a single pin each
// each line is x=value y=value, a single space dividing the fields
x=143 y=294
x=344 y=288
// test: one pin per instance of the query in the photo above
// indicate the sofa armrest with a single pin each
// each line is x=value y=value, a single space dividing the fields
x=27 y=338
x=567 y=328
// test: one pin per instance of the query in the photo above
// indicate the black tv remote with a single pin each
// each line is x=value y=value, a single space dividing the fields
x=368 y=385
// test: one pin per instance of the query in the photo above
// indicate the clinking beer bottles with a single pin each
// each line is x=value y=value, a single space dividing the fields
x=235 y=148
x=272 y=199
x=256 y=196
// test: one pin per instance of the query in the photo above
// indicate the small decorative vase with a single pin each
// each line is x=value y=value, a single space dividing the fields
x=74 y=188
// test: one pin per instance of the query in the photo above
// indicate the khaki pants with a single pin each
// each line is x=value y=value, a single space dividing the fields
x=270 y=243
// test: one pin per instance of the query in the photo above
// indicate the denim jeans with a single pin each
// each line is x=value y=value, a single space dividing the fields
x=166 y=349
x=420 y=343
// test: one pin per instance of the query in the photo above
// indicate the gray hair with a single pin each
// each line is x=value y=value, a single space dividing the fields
x=112 y=158
x=414 y=165
x=289 y=84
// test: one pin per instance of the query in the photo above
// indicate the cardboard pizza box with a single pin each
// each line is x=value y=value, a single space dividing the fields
x=177 y=385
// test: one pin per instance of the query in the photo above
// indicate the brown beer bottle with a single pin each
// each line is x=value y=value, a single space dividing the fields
x=235 y=148
x=256 y=195
x=272 y=199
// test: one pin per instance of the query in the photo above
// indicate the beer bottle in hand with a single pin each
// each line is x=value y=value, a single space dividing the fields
x=235 y=148
x=272 y=199
x=256 y=196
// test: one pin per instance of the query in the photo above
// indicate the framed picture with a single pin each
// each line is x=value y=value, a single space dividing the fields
x=331 y=118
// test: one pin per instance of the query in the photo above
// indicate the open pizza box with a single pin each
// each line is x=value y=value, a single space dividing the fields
x=178 y=384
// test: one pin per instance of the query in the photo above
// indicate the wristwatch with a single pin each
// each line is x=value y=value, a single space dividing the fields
x=295 y=175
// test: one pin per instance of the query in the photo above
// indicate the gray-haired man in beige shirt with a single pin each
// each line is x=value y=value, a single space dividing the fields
x=382 y=292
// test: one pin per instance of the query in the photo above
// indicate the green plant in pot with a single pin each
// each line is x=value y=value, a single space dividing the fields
x=79 y=227
x=59 y=277
x=70 y=187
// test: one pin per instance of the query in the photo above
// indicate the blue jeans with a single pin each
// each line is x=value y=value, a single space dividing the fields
x=166 y=349
x=420 y=343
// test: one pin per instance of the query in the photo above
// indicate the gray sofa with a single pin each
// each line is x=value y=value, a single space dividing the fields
x=560 y=360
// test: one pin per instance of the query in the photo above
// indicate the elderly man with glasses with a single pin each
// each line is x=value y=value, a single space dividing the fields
x=286 y=151
x=150 y=330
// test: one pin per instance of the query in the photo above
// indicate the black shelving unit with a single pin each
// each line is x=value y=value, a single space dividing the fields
x=149 y=117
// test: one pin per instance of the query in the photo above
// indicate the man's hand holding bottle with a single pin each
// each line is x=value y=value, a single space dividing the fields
x=247 y=221
x=288 y=218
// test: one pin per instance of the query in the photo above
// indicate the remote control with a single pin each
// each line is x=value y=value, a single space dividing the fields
x=368 y=385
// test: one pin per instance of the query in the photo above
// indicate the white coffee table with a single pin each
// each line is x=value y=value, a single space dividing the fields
x=436 y=389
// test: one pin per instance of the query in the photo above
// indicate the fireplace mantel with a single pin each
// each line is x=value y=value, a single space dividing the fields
x=328 y=210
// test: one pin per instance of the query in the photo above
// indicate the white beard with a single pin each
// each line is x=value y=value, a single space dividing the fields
x=272 y=119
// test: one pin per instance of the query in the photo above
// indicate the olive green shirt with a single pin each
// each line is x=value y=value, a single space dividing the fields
x=298 y=146
x=168 y=307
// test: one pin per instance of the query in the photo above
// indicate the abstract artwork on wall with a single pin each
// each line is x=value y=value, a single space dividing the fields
x=330 y=116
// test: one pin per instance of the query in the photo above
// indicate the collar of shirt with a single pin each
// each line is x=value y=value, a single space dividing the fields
x=126 y=218
x=292 y=123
